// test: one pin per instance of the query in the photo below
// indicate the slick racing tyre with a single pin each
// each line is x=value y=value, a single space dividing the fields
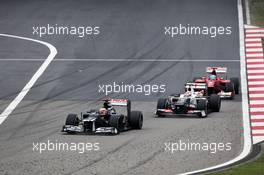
x=202 y=105
x=162 y=104
x=72 y=119
x=235 y=81
x=136 y=119
x=215 y=102
x=115 y=121
x=229 y=87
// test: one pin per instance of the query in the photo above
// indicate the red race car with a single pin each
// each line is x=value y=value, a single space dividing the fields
x=218 y=83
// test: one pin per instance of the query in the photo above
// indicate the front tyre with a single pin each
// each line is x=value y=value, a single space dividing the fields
x=72 y=119
x=202 y=105
x=215 y=102
x=229 y=87
x=116 y=121
x=235 y=81
x=162 y=104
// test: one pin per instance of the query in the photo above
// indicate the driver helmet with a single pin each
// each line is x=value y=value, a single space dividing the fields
x=103 y=111
x=188 y=92
x=200 y=93
x=212 y=77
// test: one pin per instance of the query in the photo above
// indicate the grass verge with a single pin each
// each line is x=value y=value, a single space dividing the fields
x=257 y=12
x=255 y=167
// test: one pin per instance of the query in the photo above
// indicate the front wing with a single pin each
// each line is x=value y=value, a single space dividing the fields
x=171 y=112
x=226 y=94
x=80 y=129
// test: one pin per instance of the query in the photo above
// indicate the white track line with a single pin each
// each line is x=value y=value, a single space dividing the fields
x=255 y=60
x=256 y=109
x=124 y=60
x=259 y=55
x=253 y=39
x=260 y=35
x=257 y=117
x=258 y=132
x=254 y=50
x=257 y=123
x=256 y=65
x=255 y=71
x=258 y=30
x=254 y=44
x=254 y=102
x=255 y=83
x=11 y=107
x=245 y=110
x=256 y=76
x=256 y=89
x=256 y=95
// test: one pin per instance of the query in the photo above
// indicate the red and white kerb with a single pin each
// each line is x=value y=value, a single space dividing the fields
x=255 y=76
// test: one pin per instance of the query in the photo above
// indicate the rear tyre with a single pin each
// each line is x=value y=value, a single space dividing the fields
x=136 y=119
x=72 y=119
x=202 y=105
x=235 y=81
x=162 y=104
x=215 y=102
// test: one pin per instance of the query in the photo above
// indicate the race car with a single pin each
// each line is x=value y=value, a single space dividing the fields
x=193 y=101
x=218 y=83
x=105 y=120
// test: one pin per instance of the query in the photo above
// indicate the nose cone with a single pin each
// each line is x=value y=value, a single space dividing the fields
x=211 y=83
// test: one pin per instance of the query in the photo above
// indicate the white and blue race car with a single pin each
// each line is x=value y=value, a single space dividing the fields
x=105 y=120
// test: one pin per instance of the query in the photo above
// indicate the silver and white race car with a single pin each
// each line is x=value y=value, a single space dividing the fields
x=193 y=101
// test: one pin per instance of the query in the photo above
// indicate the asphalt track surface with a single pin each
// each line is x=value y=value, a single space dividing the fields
x=130 y=30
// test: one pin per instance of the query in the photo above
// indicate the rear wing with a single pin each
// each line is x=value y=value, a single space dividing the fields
x=217 y=69
x=196 y=86
x=122 y=102
x=119 y=102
